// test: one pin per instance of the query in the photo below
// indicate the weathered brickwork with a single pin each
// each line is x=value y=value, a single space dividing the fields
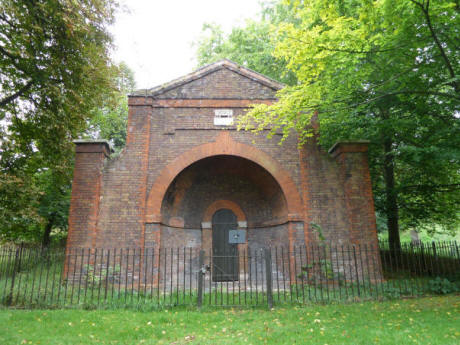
x=224 y=178
x=210 y=86
x=323 y=194
x=356 y=182
x=178 y=168
x=85 y=201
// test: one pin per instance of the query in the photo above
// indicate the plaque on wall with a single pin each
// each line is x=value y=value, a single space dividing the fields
x=237 y=236
x=223 y=117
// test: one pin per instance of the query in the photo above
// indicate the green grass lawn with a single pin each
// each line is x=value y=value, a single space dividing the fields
x=418 y=321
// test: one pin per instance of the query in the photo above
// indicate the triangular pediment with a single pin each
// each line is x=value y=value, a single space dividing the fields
x=223 y=79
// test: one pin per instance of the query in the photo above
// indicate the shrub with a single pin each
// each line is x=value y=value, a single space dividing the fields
x=442 y=286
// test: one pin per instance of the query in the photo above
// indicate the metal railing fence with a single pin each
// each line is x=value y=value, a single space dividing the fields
x=157 y=277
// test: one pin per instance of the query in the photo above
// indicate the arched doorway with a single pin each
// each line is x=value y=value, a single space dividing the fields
x=234 y=183
x=224 y=253
x=224 y=145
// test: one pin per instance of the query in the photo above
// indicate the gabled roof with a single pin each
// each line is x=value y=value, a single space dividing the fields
x=211 y=68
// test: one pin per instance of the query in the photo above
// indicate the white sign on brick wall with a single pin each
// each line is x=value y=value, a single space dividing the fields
x=223 y=117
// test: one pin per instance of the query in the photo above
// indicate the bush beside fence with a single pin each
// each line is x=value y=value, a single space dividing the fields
x=156 y=277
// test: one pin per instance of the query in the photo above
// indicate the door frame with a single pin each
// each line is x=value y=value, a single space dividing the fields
x=206 y=229
x=225 y=262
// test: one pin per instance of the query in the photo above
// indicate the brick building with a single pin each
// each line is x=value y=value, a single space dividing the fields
x=187 y=177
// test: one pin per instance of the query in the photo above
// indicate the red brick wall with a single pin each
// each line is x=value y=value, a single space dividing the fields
x=323 y=194
x=221 y=84
x=124 y=186
x=86 y=187
x=356 y=182
x=170 y=131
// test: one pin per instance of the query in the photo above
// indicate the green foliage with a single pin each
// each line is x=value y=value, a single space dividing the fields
x=101 y=277
x=387 y=71
x=320 y=269
x=434 y=234
x=31 y=199
x=319 y=231
x=249 y=46
x=110 y=120
x=442 y=286
x=54 y=71
x=399 y=290
x=18 y=211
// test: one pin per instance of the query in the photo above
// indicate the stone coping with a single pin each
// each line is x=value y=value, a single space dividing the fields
x=339 y=144
x=91 y=142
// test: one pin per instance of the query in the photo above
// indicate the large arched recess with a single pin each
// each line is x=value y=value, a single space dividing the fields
x=224 y=145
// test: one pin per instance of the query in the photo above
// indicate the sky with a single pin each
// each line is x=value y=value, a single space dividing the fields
x=154 y=38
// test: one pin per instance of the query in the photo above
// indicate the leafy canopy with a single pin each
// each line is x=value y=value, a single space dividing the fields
x=250 y=45
x=387 y=71
x=353 y=55
x=110 y=120
x=55 y=71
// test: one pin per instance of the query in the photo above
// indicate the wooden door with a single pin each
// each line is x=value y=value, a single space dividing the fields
x=224 y=254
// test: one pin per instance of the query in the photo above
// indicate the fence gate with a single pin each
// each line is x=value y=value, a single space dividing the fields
x=224 y=254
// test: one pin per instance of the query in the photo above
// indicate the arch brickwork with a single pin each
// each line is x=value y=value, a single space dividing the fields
x=223 y=145
x=219 y=204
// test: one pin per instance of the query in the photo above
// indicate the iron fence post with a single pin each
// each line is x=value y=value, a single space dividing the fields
x=435 y=257
x=16 y=268
x=458 y=252
x=424 y=266
x=268 y=274
x=199 y=300
x=356 y=270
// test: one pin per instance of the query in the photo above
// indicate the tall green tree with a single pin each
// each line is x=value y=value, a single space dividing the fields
x=110 y=120
x=387 y=71
x=54 y=71
x=249 y=45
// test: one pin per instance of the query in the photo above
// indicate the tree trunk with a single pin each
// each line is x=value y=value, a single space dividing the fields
x=391 y=197
x=46 y=236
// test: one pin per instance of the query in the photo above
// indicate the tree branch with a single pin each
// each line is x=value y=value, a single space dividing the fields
x=15 y=95
x=352 y=51
x=425 y=10
x=8 y=54
x=6 y=20
x=421 y=92
x=13 y=58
